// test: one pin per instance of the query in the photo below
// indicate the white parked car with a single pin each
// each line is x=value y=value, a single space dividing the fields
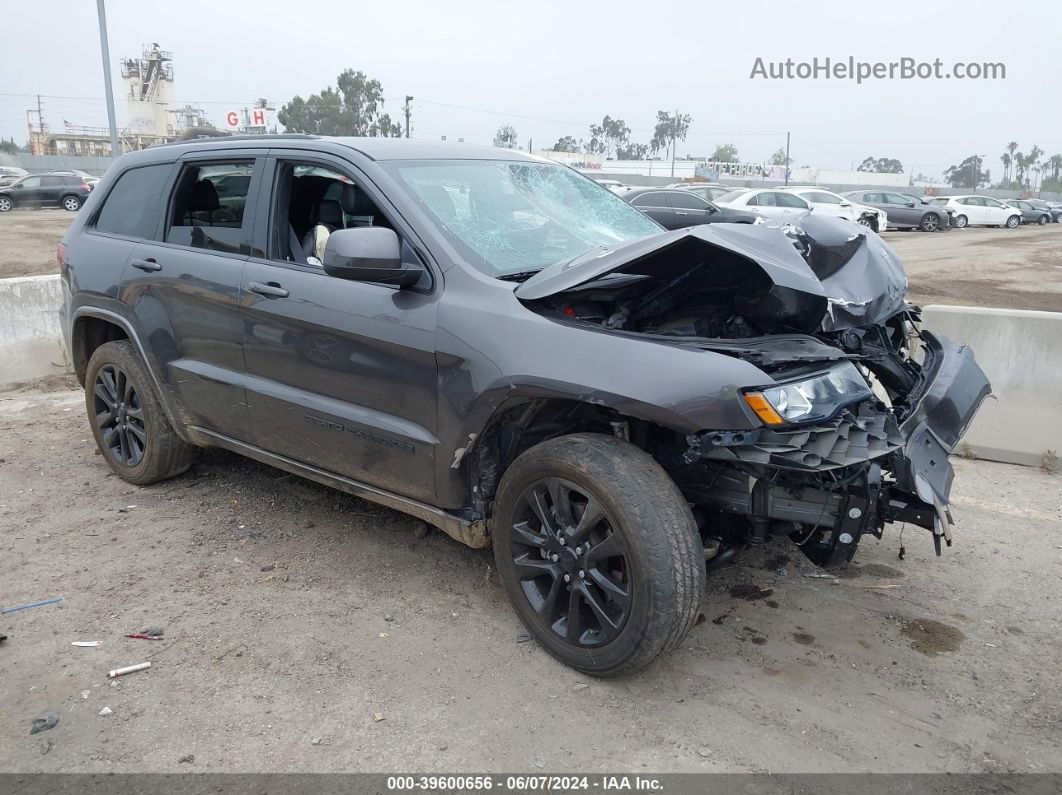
x=613 y=185
x=829 y=203
x=980 y=211
x=777 y=206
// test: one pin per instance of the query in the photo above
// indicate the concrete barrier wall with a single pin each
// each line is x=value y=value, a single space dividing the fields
x=1021 y=352
x=30 y=334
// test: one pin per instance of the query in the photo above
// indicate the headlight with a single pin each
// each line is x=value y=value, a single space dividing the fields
x=813 y=398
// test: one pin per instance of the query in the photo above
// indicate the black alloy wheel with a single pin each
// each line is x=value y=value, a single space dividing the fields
x=572 y=564
x=119 y=416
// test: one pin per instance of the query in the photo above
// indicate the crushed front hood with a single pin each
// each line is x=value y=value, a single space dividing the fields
x=825 y=274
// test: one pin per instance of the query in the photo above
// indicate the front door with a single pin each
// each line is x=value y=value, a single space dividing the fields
x=185 y=291
x=341 y=374
x=657 y=206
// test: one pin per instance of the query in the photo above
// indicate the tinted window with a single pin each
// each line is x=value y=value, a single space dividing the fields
x=654 y=199
x=687 y=201
x=761 y=200
x=51 y=182
x=204 y=216
x=788 y=200
x=30 y=182
x=873 y=198
x=132 y=207
x=823 y=198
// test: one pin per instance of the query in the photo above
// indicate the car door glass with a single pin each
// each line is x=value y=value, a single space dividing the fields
x=823 y=198
x=201 y=215
x=788 y=200
x=681 y=200
x=31 y=182
x=656 y=199
x=762 y=200
x=131 y=208
x=51 y=182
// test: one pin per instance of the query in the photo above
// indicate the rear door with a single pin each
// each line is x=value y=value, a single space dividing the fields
x=902 y=210
x=341 y=374
x=657 y=206
x=51 y=189
x=184 y=288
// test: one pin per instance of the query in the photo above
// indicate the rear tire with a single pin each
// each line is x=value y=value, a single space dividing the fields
x=617 y=526
x=930 y=223
x=1041 y=220
x=6 y=204
x=71 y=203
x=131 y=429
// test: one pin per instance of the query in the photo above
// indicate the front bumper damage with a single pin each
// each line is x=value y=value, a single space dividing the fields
x=828 y=484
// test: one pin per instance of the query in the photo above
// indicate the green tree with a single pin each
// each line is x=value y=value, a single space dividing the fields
x=506 y=137
x=728 y=153
x=881 y=165
x=354 y=107
x=778 y=158
x=969 y=173
x=608 y=136
x=669 y=127
x=8 y=148
x=631 y=151
x=566 y=144
x=1007 y=161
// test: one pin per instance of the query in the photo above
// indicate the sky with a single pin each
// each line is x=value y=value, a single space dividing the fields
x=552 y=68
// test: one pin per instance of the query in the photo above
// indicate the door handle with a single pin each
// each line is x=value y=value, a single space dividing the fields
x=679 y=212
x=147 y=265
x=270 y=290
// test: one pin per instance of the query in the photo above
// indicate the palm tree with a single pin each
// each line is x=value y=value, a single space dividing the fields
x=1055 y=163
x=1005 y=158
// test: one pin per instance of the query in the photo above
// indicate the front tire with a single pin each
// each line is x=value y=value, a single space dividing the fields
x=71 y=203
x=1041 y=220
x=598 y=552
x=130 y=427
x=1013 y=221
x=6 y=204
x=961 y=221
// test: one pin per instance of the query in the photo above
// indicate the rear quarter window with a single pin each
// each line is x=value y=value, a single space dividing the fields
x=133 y=206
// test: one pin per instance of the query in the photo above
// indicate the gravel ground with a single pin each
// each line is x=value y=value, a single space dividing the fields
x=305 y=630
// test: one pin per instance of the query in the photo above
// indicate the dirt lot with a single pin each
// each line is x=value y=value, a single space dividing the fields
x=293 y=614
x=1010 y=268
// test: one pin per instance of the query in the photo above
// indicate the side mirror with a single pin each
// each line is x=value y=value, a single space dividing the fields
x=846 y=204
x=368 y=254
x=910 y=204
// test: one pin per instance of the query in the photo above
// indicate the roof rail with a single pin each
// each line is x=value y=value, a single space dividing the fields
x=263 y=137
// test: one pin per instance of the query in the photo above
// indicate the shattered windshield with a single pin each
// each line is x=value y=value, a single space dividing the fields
x=517 y=217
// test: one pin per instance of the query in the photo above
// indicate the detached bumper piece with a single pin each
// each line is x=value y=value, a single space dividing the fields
x=828 y=484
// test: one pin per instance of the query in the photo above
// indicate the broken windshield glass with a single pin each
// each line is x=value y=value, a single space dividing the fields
x=519 y=217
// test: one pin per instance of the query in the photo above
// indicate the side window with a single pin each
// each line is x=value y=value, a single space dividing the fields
x=51 y=182
x=131 y=208
x=872 y=198
x=992 y=203
x=681 y=200
x=654 y=199
x=823 y=198
x=200 y=215
x=311 y=202
x=788 y=200
x=760 y=200
x=31 y=182
x=895 y=198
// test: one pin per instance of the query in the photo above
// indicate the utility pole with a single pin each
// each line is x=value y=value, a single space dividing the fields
x=406 y=109
x=674 y=123
x=787 y=157
x=101 y=12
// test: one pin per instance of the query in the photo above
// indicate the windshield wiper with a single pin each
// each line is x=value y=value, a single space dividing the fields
x=522 y=276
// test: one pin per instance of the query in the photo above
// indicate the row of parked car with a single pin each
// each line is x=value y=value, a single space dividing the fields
x=686 y=204
x=67 y=189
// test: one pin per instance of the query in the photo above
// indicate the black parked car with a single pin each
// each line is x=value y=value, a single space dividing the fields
x=904 y=211
x=1054 y=209
x=675 y=208
x=45 y=190
x=502 y=348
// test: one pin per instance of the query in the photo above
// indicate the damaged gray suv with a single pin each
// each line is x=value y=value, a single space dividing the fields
x=497 y=345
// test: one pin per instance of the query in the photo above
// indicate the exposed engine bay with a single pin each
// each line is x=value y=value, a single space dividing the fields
x=865 y=405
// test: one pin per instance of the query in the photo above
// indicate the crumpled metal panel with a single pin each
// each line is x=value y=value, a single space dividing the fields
x=860 y=434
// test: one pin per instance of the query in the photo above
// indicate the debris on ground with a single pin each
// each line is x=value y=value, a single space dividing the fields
x=3 y=638
x=86 y=643
x=377 y=716
x=580 y=686
x=129 y=669
x=49 y=721
x=153 y=631
x=268 y=567
x=315 y=741
x=750 y=592
x=523 y=637
x=144 y=636
x=27 y=607
x=106 y=711
x=187 y=759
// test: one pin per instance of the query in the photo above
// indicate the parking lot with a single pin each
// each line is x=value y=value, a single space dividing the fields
x=1009 y=268
x=306 y=630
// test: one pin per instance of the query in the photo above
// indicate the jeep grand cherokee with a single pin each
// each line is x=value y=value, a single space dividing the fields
x=508 y=351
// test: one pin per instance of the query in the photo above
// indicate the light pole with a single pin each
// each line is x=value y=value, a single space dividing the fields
x=101 y=12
